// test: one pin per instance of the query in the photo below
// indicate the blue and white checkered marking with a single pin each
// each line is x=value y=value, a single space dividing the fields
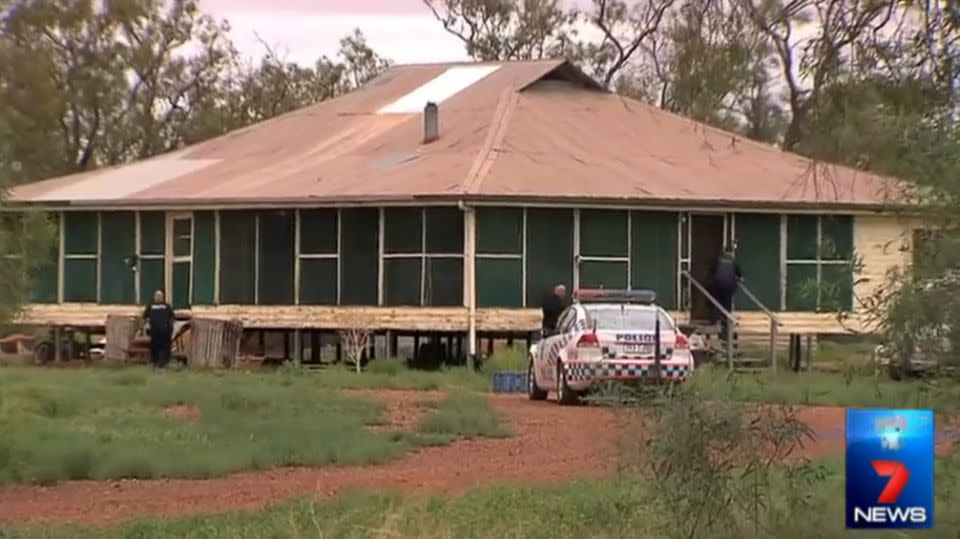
x=577 y=371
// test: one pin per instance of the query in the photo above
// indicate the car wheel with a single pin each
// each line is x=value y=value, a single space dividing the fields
x=533 y=390
x=565 y=395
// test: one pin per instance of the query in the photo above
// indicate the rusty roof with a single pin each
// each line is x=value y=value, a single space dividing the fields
x=524 y=131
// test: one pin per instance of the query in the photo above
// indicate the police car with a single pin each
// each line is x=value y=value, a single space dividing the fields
x=608 y=335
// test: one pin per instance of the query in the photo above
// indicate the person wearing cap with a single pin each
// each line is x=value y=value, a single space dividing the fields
x=725 y=275
x=554 y=303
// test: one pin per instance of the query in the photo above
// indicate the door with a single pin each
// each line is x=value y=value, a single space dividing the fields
x=707 y=233
x=179 y=259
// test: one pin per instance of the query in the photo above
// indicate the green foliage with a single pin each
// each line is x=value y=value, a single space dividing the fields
x=464 y=415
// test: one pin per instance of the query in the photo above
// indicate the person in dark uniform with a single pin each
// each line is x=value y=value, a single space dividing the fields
x=158 y=316
x=554 y=302
x=725 y=274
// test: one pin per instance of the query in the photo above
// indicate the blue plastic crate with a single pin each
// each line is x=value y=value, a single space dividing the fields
x=510 y=382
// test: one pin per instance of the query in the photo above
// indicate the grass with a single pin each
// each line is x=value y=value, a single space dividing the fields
x=597 y=509
x=828 y=389
x=61 y=424
x=464 y=415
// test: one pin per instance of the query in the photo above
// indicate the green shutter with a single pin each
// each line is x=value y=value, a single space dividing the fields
x=238 y=250
x=603 y=274
x=80 y=232
x=444 y=282
x=499 y=282
x=118 y=244
x=499 y=231
x=204 y=257
x=401 y=281
x=358 y=256
x=653 y=255
x=801 y=237
x=276 y=254
x=444 y=230
x=402 y=230
x=318 y=281
x=153 y=233
x=758 y=255
x=603 y=233
x=549 y=251
x=318 y=232
x=151 y=275
x=80 y=280
x=180 y=294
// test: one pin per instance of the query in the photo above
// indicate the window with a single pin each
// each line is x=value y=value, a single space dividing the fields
x=627 y=318
x=548 y=251
x=423 y=256
x=499 y=258
x=80 y=254
x=118 y=240
x=604 y=249
x=151 y=262
x=819 y=263
x=319 y=256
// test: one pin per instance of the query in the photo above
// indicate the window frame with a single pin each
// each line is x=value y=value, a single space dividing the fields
x=818 y=263
x=423 y=255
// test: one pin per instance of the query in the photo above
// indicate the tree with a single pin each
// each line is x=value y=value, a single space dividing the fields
x=356 y=337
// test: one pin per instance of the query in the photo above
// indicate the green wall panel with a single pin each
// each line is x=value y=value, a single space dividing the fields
x=801 y=287
x=758 y=255
x=499 y=230
x=204 y=257
x=444 y=282
x=801 y=237
x=603 y=233
x=179 y=293
x=653 y=254
x=153 y=233
x=318 y=232
x=151 y=275
x=401 y=281
x=238 y=251
x=549 y=251
x=118 y=242
x=358 y=258
x=80 y=232
x=45 y=280
x=80 y=280
x=597 y=274
x=318 y=281
x=277 y=254
x=499 y=282
x=444 y=230
x=402 y=230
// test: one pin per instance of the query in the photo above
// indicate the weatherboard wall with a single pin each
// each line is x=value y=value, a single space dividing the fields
x=403 y=257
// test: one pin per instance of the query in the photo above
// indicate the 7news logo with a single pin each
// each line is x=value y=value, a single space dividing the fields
x=890 y=459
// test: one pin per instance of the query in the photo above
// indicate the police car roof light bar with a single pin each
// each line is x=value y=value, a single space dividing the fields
x=587 y=295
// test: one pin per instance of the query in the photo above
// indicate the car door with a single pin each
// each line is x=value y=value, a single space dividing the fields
x=550 y=350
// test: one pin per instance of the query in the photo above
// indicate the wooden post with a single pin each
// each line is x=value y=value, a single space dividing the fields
x=808 y=353
x=315 y=346
x=297 y=346
x=773 y=345
x=57 y=343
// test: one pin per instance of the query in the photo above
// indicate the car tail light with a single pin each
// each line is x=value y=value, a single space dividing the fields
x=588 y=340
x=681 y=342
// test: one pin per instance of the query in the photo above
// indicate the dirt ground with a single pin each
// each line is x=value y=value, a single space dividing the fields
x=551 y=444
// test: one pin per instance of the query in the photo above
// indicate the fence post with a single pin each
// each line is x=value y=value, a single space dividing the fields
x=729 y=343
x=773 y=345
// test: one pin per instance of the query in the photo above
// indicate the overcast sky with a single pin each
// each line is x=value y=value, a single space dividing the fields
x=403 y=30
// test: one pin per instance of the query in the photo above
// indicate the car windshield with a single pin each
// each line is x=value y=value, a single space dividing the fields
x=627 y=318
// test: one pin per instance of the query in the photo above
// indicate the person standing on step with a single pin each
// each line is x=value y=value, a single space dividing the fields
x=158 y=318
x=725 y=276
x=554 y=303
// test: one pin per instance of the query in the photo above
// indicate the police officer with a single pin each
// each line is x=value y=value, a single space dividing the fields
x=725 y=274
x=158 y=316
x=554 y=303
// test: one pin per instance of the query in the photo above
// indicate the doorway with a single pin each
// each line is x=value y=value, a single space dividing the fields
x=707 y=233
x=179 y=259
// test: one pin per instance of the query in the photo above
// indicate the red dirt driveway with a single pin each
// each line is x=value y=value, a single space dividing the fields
x=551 y=444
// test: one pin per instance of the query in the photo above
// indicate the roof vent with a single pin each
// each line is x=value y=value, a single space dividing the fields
x=431 y=123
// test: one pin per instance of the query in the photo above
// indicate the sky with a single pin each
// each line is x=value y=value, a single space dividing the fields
x=302 y=30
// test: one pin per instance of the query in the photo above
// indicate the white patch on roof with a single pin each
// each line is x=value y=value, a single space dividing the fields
x=443 y=86
x=126 y=180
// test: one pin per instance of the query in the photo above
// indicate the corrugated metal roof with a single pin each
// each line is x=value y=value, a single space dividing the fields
x=517 y=130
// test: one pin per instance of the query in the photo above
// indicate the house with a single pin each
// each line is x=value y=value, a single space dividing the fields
x=458 y=217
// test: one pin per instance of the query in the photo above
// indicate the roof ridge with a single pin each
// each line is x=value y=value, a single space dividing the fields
x=488 y=152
